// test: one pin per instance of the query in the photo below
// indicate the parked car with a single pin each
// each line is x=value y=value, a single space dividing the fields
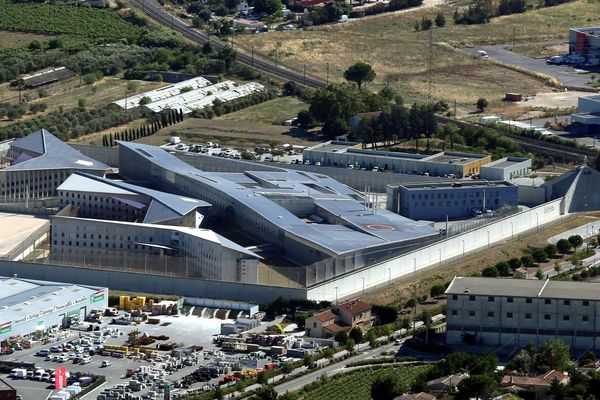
x=42 y=353
x=105 y=363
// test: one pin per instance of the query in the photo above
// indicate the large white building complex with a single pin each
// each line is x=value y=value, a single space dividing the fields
x=309 y=217
x=115 y=224
x=494 y=312
x=30 y=308
x=39 y=163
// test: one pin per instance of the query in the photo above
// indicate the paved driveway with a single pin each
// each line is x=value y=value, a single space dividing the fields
x=563 y=73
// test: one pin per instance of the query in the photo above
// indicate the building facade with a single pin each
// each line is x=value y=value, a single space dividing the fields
x=458 y=200
x=31 y=308
x=588 y=115
x=495 y=312
x=585 y=42
x=344 y=154
x=39 y=163
x=506 y=169
x=341 y=318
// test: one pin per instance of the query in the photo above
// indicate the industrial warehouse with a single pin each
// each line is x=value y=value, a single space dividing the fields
x=30 y=308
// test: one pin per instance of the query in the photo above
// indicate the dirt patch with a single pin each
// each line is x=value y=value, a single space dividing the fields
x=9 y=39
x=553 y=99
x=542 y=50
x=400 y=292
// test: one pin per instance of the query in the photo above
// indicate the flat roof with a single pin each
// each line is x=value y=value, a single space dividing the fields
x=457 y=185
x=506 y=162
x=455 y=158
x=20 y=298
x=15 y=229
x=525 y=288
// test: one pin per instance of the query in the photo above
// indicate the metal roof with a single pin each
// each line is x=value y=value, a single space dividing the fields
x=525 y=288
x=45 y=77
x=261 y=191
x=52 y=153
x=21 y=297
x=163 y=206
x=505 y=162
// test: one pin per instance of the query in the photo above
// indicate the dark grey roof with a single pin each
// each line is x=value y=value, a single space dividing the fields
x=43 y=78
x=53 y=154
x=524 y=288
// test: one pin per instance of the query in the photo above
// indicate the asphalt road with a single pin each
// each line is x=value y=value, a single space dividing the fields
x=563 y=73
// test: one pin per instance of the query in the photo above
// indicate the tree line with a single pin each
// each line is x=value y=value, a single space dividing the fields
x=482 y=11
x=156 y=122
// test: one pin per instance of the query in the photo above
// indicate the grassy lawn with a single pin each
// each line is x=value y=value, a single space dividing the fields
x=17 y=39
x=399 y=54
x=271 y=112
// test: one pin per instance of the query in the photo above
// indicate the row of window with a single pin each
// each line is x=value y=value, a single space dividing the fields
x=528 y=300
x=451 y=195
x=509 y=315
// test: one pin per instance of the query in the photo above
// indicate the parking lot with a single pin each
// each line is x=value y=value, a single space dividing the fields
x=185 y=331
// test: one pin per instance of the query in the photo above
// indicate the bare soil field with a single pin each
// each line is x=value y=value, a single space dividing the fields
x=10 y=39
x=541 y=50
x=399 y=54
x=400 y=291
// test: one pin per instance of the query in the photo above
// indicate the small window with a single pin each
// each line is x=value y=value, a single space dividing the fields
x=528 y=316
x=509 y=299
x=454 y=297
x=528 y=300
x=491 y=299
x=509 y=315
x=471 y=313
x=491 y=314
x=471 y=298
x=547 y=301
x=566 y=318
x=585 y=318
x=586 y=303
x=567 y=302
x=454 y=313
x=547 y=317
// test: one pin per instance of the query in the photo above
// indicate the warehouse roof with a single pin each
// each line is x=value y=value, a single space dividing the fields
x=463 y=184
x=25 y=299
x=506 y=162
x=46 y=77
x=525 y=288
x=161 y=206
x=163 y=92
x=43 y=150
x=352 y=226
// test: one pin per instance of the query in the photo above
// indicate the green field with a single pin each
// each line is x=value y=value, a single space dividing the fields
x=270 y=112
x=63 y=19
x=356 y=385
x=17 y=39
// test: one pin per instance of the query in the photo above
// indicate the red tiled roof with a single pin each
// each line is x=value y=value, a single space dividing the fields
x=335 y=328
x=355 y=306
x=544 y=380
x=325 y=315
x=372 y=114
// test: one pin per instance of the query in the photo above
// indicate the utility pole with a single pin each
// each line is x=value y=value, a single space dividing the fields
x=304 y=74
x=252 y=59
x=514 y=37
x=327 y=81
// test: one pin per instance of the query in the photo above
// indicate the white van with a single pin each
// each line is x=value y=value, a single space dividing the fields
x=483 y=53
x=18 y=373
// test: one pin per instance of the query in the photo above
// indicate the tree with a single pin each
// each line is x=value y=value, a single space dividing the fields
x=417 y=25
x=503 y=268
x=539 y=274
x=265 y=393
x=360 y=73
x=527 y=261
x=490 y=272
x=145 y=100
x=482 y=104
x=305 y=119
x=287 y=368
x=328 y=352
x=426 y=23
x=539 y=255
x=437 y=290
x=341 y=337
x=551 y=250
x=477 y=386
x=514 y=263
x=349 y=346
x=564 y=246
x=575 y=241
x=356 y=335
x=269 y=7
x=388 y=387
x=308 y=360
x=262 y=378
x=219 y=395
x=522 y=362
x=81 y=102
x=385 y=314
x=554 y=354
x=440 y=20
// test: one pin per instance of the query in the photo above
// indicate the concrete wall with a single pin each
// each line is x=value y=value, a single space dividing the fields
x=146 y=283
x=436 y=254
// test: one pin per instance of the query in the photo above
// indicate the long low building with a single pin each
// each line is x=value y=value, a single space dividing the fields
x=452 y=200
x=344 y=154
x=310 y=217
x=32 y=309
x=499 y=312
x=588 y=115
x=506 y=169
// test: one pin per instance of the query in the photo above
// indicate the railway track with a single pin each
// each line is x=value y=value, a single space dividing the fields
x=156 y=12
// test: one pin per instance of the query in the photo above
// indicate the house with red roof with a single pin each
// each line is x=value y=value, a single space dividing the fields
x=343 y=317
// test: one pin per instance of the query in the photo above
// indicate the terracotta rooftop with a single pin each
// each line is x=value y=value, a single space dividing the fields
x=416 y=396
x=324 y=316
x=544 y=380
x=355 y=306
x=335 y=328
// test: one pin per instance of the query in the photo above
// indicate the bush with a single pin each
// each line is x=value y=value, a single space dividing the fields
x=514 y=263
x=490 y=272
x=527 y=261
x=437 y=290
x=503 y=268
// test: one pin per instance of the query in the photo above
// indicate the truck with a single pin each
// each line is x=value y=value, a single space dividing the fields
x=18 y=373
x=556 y=60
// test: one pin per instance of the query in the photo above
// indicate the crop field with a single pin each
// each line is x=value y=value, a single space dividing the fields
x=399 y=54
x=17 y=39
x=63 y=19
x=356 y=385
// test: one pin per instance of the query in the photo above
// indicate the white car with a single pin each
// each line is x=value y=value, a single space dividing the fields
x=105 y=363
